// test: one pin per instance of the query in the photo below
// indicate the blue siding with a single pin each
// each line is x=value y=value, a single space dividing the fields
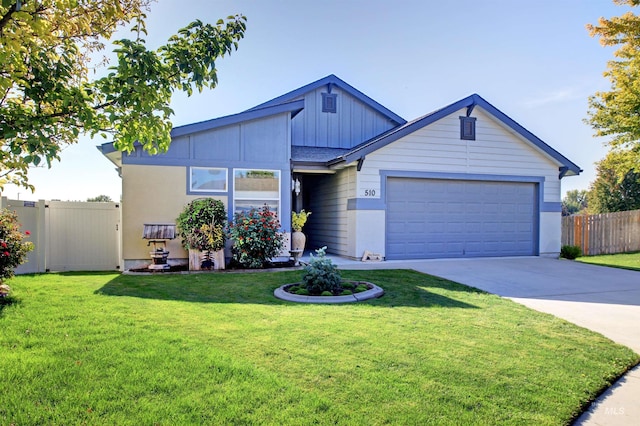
x=220 y=144
x=353 y=123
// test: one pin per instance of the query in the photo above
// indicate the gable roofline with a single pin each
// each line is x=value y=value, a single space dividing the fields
x=253 y=114
x=108 y=149
x=567 y=167
x=333 y=80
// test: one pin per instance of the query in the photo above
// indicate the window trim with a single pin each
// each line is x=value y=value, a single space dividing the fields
x=195 y=190
x=278 y=200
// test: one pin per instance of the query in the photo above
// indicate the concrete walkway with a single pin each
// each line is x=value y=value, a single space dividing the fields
x=605 y=300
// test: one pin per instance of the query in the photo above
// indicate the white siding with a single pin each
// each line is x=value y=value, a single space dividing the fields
x=328 y=225
x=438 y=148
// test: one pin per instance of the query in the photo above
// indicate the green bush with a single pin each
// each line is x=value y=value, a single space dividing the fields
x=570 y=252
x=346 y=292
x=13 y=251
x=201 y=225
x=321 y=275
x=302 y=292
x=361 y=288
x=326 y=293
x=256 y=237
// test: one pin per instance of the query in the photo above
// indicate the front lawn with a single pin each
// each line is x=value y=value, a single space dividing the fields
x=220 y=349
x=622 y=260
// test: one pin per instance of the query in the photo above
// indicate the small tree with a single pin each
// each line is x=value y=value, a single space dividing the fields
x=574 y=202
x=256 y=237
x=13 y=250
x=614 y=189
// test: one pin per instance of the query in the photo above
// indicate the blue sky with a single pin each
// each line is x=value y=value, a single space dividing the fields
x=533 y=60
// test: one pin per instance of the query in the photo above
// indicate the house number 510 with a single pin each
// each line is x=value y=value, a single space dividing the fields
x=369 y=192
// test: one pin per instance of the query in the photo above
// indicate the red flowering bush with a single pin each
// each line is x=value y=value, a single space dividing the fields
x=13 y=251
x=256 y=237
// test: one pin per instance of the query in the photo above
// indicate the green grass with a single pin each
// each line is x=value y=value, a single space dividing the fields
x=622 y=260
x=220 y=349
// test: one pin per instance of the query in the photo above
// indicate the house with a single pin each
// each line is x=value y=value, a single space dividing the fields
x=463 y=181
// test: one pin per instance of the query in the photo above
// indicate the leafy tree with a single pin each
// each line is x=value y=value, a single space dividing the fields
x=609 y=193
x=575 y=201
x=47 y=98
x=616 y=113
x=100 y=199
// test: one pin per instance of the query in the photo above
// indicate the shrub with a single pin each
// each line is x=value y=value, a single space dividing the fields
x=321 y=274
x=346 y=292
x=298 y=220
x=256 y=237
x=201 y=224
x=326 y=293
x=570 y=252
x=13 y=251
x=302 y=292
x=361 y=288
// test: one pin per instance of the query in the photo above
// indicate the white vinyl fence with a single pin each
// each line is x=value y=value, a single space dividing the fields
x=69 y=236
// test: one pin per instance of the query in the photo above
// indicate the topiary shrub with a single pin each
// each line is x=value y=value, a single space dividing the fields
x=256 y=237
x=321 y=275
x=570 y=252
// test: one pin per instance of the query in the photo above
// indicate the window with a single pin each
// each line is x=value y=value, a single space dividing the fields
x=207 y=179
x=468 y=128
x=255 y=188
x=329 y=102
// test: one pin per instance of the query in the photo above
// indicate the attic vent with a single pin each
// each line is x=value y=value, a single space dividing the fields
x=329 y=102
x=468 y=128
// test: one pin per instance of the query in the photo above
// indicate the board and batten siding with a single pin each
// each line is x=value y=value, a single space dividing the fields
x=328 y=225
x=438 y=148
x=351 y=124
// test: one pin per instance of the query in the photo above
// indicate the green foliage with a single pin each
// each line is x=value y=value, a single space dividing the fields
x=321 y=275
x=574 y=202
x=326 y=293
x=298 y=220
x=13 y=250
x=47 y=96
x=256 y=237
x=177 y=345
x=614 y=190
x=570 y=252
x=360 y=288
x=302 y=292
x=346 y=292
x=615 y=113
x=100 y=199
x=201 y=224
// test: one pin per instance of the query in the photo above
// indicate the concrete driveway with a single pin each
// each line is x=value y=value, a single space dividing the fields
x=605 y=300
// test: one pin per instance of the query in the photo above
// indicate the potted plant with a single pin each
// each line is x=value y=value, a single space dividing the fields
x=201 y=226
x=298 y=239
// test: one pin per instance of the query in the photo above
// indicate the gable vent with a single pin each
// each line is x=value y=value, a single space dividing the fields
x=329 y=102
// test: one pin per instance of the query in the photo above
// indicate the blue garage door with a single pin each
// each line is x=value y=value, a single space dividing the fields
x=433 y=218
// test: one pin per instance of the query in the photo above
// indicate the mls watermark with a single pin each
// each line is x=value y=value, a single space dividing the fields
x=608 y=410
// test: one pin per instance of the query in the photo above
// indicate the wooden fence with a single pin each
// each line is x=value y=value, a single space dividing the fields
x=606 y=233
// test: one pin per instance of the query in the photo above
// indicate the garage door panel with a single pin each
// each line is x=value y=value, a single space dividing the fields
x=430 y=218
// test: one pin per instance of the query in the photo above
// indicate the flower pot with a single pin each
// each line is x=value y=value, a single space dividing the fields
x=298 y=241
x=195 y=260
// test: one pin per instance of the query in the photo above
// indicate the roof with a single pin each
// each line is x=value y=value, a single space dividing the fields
x=567 y=167
x=333 y=80
x=294 y=107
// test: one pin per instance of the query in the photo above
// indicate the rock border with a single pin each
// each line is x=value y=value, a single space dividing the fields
x=373 y=293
